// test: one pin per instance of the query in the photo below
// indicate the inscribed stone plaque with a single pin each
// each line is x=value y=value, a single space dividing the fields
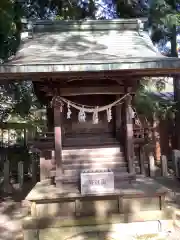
x=97 y=182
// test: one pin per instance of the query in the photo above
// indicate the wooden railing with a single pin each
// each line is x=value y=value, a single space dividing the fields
x=140 y=134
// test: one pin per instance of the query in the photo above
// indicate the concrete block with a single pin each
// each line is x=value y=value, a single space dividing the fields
x=30 y=234
x=55 y=209
x=140 y=204
x=100 y=208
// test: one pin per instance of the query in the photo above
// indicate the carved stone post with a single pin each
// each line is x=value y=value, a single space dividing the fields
x=164 y=166
x=152 y=167
x=21 y=174
x=129 y=141
x=142 y=160
x=176 y=161
x=7 y=188
x=35 y=168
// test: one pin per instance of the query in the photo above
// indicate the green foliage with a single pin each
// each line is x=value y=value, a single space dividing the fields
x=162 y=12
x=131 y=9
x=163 y=19
x=19 y=103
x=10 y=27
x=163 y=16
x=151 y=105
x=63 y=9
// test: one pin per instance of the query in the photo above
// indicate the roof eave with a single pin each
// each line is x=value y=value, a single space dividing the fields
x=162 y=64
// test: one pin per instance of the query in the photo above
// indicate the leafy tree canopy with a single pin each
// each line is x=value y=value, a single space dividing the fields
x=10 y=27
x=154 y=104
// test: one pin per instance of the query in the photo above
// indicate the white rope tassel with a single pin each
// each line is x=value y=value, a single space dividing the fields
x=109 y=114
x=95 y=116
x=69 y=111
x=82 y=115
x=132 y=113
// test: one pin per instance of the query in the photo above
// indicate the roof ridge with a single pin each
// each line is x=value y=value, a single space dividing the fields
x=83 y=25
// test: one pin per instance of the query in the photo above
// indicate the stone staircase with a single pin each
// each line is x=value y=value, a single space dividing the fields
x=93 y=158
x=88 y=151
x=92 y=152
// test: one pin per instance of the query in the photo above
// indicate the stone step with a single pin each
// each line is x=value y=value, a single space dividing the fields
x=94 y=165
x=76 y=172
x=91 y=159
x=118 y=175
x=89 y=143
x=96 y=151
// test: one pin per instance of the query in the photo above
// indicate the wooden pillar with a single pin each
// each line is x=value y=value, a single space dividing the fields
x=58 y=142
x=118 y=119
x=129 y=141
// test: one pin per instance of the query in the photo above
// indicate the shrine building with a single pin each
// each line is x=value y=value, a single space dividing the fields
x=87 y=73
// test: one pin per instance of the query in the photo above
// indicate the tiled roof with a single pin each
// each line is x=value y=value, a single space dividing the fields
x=89 y=46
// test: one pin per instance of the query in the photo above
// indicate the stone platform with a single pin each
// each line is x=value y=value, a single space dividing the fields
x=64 y=211
x=142 y=194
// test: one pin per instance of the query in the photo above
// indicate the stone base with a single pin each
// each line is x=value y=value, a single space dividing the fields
x=97 y=231
x=143 y=195
x=60 y=212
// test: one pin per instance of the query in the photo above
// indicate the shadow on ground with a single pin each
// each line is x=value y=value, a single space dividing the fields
x=12 y=210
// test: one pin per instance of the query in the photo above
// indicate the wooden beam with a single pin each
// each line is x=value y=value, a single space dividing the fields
x=120 y=82
x=88 y=77
x=41 y=76
x=74 y=91
x=115 y=89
